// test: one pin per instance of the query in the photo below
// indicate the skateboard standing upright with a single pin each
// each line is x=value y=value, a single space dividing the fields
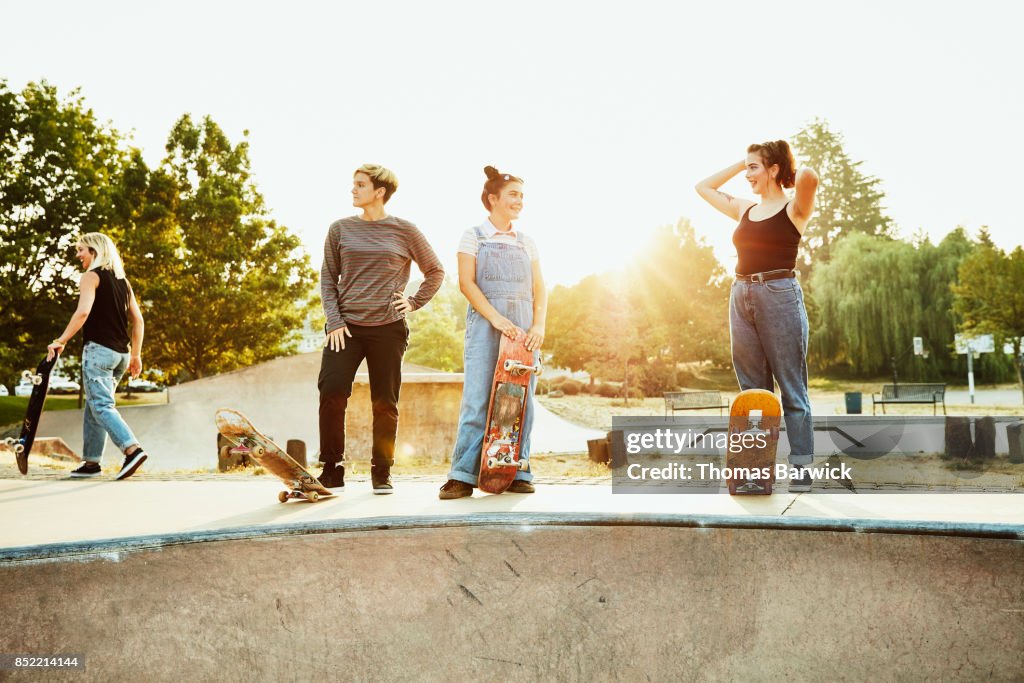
x=506 y=414
x=753 y=440
x=250 y=441
x=23 y=444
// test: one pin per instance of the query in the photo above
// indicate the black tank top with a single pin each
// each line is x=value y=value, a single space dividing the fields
x=107 y=323
x=766 y=245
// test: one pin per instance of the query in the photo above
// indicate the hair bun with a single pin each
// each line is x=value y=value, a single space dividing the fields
x=491 y=172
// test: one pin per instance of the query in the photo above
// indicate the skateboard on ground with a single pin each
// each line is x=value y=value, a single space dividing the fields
x=251 y=442
x=506 y=413
x=754 y=425
x=23 y=444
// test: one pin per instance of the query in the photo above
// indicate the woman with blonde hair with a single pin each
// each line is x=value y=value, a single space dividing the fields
x=105 y=304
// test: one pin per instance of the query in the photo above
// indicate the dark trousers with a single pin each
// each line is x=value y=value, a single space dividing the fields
x=383 y=347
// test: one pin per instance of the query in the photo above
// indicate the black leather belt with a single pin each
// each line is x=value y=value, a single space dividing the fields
x=767 y=275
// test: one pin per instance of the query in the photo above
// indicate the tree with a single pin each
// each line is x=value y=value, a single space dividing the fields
x=58 y=167
x=669 y=306
x=869 y=299
x=437 y=331
x=847 y=200
x=573 y=315
x=681 y=292
x=990 y=296
x=222 y=285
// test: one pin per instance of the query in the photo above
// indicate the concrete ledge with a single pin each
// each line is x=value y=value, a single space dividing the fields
x=81 y=549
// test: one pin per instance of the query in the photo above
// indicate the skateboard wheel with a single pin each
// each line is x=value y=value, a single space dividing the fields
x=37 y=380
x=19 y=448
x=9 y=441
x=282 y=496
x=25 y=374
x=258 y=451
x=313 y=496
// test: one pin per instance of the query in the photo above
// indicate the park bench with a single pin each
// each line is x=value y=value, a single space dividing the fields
x=694 y=400
x=910 y=393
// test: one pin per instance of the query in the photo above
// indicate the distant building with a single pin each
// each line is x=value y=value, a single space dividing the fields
x=311 y=335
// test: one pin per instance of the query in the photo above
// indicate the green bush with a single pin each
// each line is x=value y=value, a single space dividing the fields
x=571 y=387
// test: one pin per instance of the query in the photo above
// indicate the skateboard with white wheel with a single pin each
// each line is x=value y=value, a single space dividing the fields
x=506 y=414
x=754 y=419
x=248 y=440
x=22 y=446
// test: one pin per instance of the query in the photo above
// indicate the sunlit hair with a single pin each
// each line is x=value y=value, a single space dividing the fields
x=380 y=177
x=777 y=152
x=496 y=182
x=104 y=253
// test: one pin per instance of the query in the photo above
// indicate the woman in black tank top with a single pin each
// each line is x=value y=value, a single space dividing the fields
x=105 y=305
x=767 y=319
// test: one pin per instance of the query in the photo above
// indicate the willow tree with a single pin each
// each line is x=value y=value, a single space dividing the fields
x=868 y=296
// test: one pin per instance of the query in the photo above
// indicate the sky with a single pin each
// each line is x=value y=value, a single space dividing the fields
x=610 y=112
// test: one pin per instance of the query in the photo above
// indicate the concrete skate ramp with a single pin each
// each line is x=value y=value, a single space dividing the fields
x=281 y=398
x=530 y=597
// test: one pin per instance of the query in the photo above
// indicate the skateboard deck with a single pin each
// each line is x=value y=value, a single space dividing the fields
x=506 y=413
x=23 y=444
x=753 y=440
x=237 y=428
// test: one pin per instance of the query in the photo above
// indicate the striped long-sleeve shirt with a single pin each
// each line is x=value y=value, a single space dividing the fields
x=366 y=262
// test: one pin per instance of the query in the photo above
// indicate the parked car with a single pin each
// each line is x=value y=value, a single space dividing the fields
x=63 y=385
x=23 y=387
x=143 y=386
x=3 y=390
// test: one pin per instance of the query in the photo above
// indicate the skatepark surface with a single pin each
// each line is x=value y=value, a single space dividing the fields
x=174 y=575
x=215 y=580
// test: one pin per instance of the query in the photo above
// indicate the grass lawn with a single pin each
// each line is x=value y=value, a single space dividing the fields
x=12 y=408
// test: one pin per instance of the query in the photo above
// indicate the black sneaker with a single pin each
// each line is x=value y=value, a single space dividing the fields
x=803 y=483
x=520 y=486
x=381 y=481
x=86 y=470
x=454 y=488
x=131 y=463
x=332 y=476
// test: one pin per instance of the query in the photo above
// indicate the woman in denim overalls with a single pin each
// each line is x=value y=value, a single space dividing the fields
x=767 y=318
x=499 y=273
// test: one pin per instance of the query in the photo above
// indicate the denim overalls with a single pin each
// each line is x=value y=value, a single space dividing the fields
x=505 y=276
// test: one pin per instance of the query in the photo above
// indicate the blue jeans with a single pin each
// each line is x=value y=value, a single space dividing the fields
x=103 y=369
x=768 y=325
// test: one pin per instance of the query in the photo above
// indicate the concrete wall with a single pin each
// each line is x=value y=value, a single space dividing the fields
x=281 y=399
x=528 y=603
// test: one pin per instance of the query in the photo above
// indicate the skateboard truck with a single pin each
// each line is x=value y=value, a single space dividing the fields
x=14 y=444
x=507 y=461
x=518 y=368
x=36 y=379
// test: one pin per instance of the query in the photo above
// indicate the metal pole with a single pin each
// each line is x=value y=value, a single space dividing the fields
x=970 y=372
